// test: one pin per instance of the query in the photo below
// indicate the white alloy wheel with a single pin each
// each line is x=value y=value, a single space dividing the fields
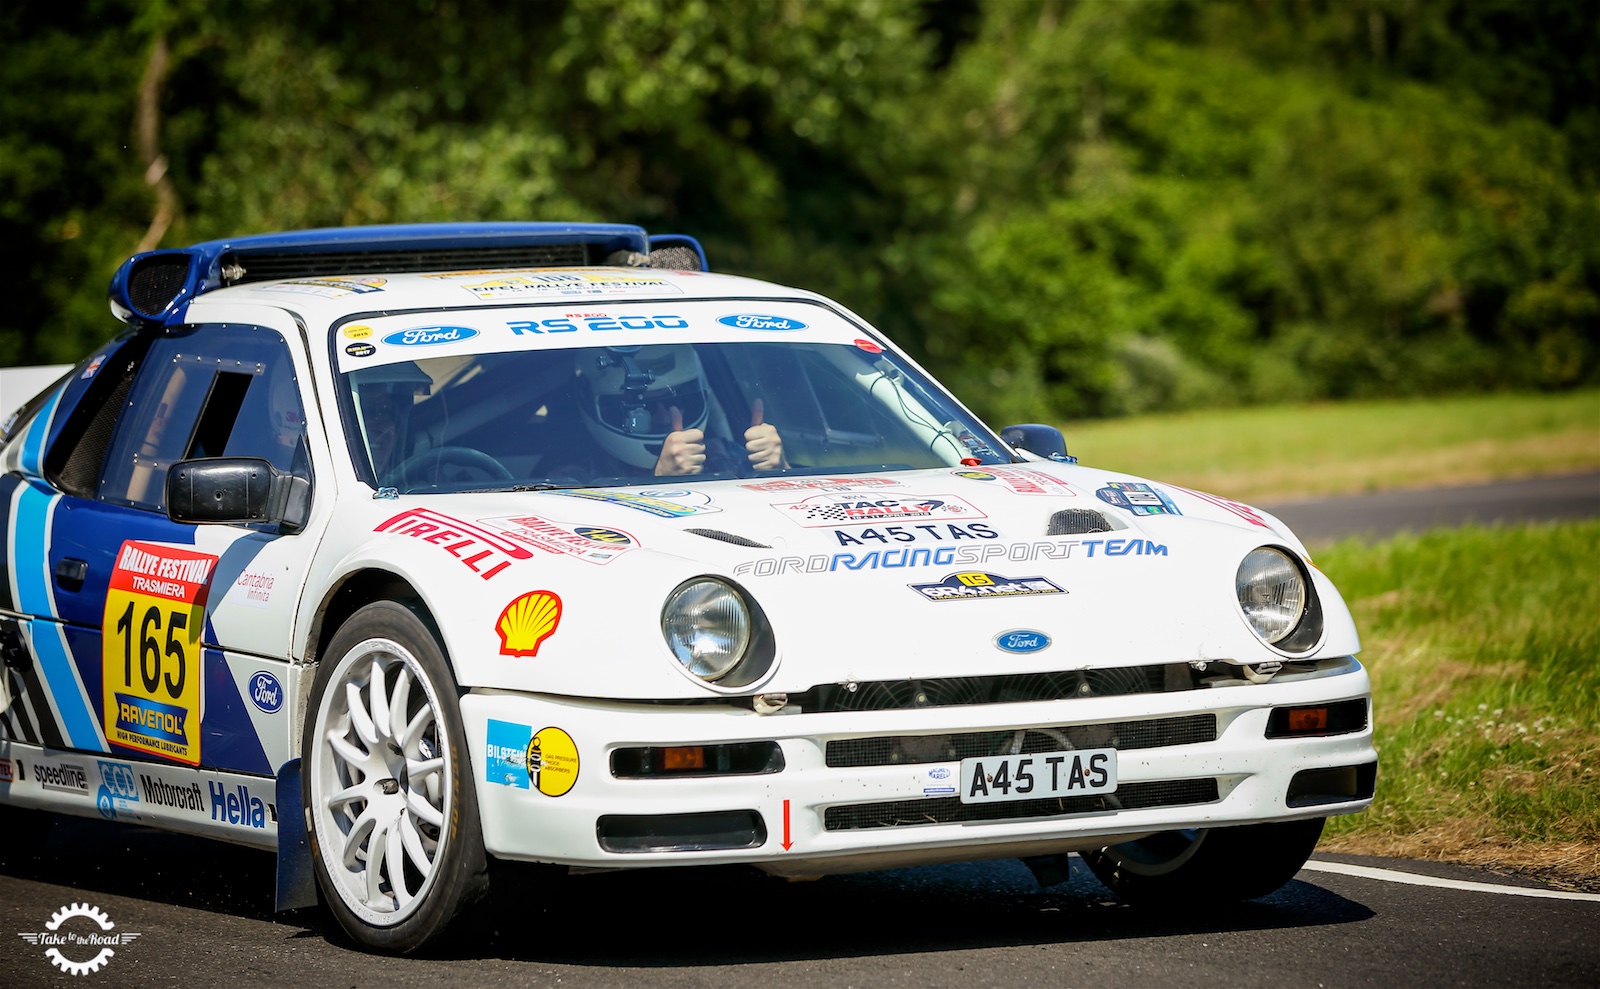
x=384 y=758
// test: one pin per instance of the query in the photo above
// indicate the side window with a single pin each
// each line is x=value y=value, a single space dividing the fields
x=210 y=391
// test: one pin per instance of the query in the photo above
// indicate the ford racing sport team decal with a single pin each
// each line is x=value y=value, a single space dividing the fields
x=944 y=556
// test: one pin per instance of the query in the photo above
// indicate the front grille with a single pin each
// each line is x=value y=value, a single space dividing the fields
x=900 y=750
x=950 y=810
x=891 y=695
x=268 y=267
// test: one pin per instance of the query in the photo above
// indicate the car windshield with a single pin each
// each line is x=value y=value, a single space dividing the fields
x=478 y=418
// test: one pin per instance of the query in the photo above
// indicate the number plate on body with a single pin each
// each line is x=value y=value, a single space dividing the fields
x=1039 y=774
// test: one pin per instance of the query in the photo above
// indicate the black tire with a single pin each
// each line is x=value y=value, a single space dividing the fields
x=363 y=772
x=1216 y=865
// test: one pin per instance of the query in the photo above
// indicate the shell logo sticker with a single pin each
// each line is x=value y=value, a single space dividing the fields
x=552 y=762
x=527 y=621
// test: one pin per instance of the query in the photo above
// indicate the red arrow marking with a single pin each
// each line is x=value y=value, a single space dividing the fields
x=787 y=844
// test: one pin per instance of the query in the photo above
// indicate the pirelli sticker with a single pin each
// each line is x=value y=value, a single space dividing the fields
x=150 y=653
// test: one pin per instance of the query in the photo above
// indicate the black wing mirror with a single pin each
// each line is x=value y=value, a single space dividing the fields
x=237 y=491
x=1039 y=440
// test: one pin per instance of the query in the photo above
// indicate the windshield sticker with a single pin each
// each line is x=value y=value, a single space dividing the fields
x=912 y=533
x=822 y=484
x=829 y=510
x=356 y=331
x=1138 y=498
x=869 y=346
x=944 y=556
x=571 y=284
x=150 y=653
x=666 y=504
x=360 y=349
x=1021 y=480
x=979 y=584
x=330 y=288
x=755 y=322
x=430 y=336
x=483 y=552
x=527 y=621
x=94 y=366
x=597 y=322
x=588 y=543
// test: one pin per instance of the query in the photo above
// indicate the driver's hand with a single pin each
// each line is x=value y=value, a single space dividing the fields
x=762 y=443
x=684 y=451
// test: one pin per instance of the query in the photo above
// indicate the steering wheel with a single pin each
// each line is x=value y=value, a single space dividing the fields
x=433 y=462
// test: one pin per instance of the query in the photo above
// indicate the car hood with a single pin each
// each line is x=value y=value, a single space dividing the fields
x=871 y=577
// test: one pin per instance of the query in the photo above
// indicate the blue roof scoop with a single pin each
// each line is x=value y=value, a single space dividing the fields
x=156 y=285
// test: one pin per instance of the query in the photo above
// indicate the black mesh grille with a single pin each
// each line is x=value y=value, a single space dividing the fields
x=950 y=810
x=729 y=537
x=897 y=750
x=267 y=267
x=154 y=281
x=888 y=695
x=1072 y=521
x=80 y=474
x=676 y=258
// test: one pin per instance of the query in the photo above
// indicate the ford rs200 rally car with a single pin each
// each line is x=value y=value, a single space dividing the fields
x=403 y=550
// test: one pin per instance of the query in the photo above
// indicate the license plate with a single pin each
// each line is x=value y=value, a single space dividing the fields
x=1041 y=774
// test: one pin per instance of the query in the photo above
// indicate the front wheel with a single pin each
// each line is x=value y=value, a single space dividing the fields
x=1215 y=865
x=387 y=784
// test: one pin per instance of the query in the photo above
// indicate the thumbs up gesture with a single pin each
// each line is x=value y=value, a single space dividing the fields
x=683 y=451
x=761 y=441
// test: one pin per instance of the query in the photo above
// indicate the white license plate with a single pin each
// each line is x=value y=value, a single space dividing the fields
x=1041 y=774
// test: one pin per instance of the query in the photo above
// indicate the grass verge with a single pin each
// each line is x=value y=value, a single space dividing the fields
x=1484 y=652
x=1281 y=453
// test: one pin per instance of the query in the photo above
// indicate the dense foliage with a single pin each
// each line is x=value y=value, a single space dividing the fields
x=1066 y=208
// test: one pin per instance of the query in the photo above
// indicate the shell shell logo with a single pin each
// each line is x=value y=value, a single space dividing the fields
x=527 y=621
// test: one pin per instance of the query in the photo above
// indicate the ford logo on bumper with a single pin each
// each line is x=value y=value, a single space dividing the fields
x=1022 y=640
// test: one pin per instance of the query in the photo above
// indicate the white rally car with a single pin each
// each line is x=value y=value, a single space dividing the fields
x=402 y=550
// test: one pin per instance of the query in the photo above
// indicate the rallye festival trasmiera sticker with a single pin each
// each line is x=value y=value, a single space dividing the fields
x=150 y=652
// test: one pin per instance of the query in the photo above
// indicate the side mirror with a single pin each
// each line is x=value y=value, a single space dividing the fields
x=237 y=491
x=1040 y=440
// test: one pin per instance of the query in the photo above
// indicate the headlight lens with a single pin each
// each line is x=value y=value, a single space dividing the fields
x=707 y=626
x=1272 y=593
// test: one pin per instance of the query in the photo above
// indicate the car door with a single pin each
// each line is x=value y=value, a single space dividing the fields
x=155 y=639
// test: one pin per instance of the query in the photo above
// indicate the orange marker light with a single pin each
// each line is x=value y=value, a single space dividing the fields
x=1308 y=719
x=683 y=757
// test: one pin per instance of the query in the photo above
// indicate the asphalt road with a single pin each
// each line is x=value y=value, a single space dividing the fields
x=203 y=910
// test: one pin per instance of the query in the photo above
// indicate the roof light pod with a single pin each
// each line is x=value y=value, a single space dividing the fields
x=1278 y=600
x=716 y=633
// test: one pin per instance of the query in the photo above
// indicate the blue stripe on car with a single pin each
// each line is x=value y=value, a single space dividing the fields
x=33 y=441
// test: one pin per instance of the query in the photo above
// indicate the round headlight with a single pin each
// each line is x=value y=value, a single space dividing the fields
x=707 y=626
x=1272 y=593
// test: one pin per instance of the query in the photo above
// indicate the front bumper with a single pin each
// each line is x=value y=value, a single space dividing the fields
x=810 y=818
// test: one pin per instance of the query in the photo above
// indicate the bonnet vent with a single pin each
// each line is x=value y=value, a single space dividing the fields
x=728 y=537
x=252 y=266
x=1073 y=521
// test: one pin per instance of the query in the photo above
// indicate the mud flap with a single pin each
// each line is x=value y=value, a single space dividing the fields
x=297 y=880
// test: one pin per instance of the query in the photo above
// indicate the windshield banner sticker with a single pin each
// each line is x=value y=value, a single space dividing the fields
x=567 y=284
x=667 y=504
x=1021 y=480
x=150 y=652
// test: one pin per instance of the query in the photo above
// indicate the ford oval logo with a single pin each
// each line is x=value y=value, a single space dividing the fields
x=266 y=692
x=428 y=336
x=1022 y=640
x=753 y=322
